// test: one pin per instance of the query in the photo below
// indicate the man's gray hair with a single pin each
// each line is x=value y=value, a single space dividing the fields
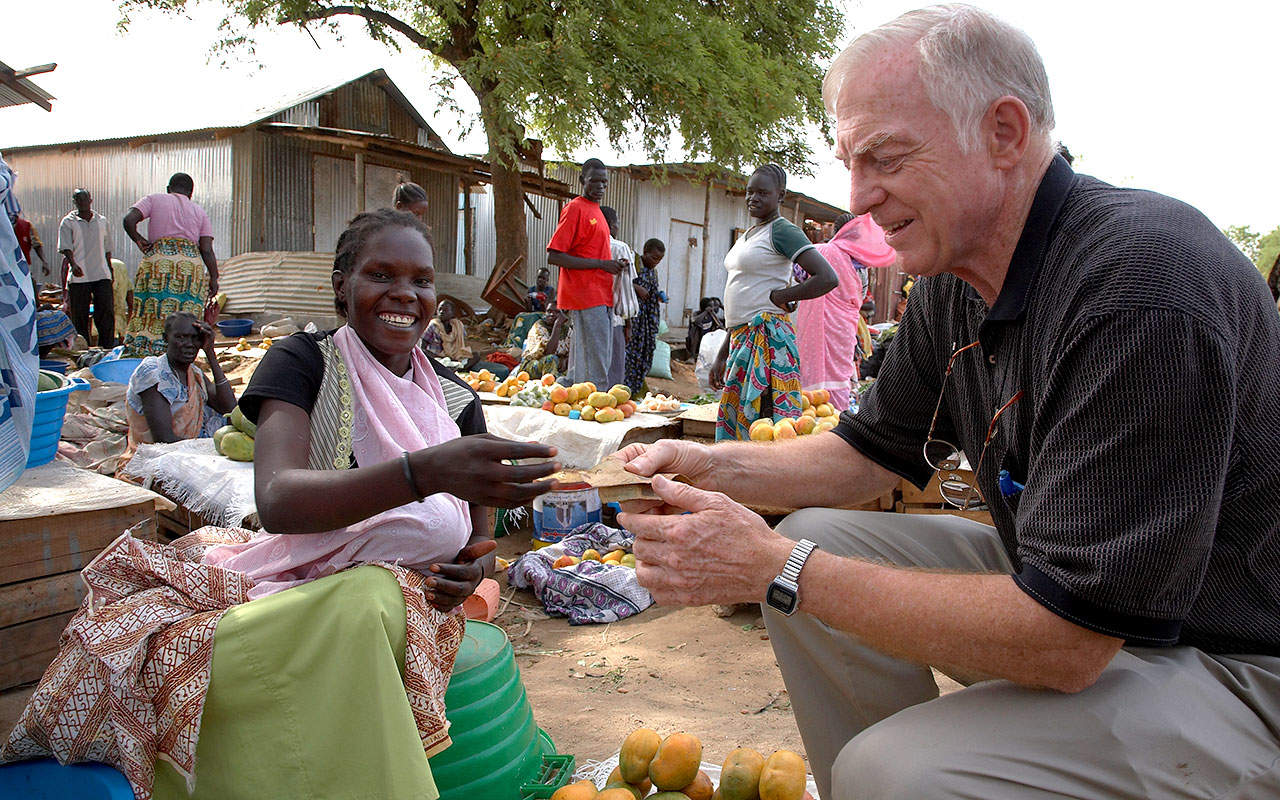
x=968 y=59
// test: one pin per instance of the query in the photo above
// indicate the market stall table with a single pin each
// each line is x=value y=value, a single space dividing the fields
x=206 y=487
x=53 y=521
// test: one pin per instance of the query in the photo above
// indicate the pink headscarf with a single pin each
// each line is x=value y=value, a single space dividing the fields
x=827 y=326
x=863 y=241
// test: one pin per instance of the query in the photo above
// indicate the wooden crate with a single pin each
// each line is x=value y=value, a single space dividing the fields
x=53 y=522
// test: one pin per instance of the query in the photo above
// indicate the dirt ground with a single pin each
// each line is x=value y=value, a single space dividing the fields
x=670 y=669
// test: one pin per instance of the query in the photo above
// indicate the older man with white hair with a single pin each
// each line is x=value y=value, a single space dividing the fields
x=1106 y=360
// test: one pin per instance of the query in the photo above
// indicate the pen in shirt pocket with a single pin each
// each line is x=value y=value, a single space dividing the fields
x=1008 y=486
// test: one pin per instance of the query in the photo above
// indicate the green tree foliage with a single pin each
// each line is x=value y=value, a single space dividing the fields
x=728 y=81
x=1262 y=248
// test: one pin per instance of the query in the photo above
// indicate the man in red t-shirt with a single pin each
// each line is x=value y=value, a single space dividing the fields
x=29 y=240
x=580 y=248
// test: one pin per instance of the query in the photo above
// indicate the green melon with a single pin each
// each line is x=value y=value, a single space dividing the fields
x=242 y=424
x=48 y=381
x=237 y=446
x=219 y=434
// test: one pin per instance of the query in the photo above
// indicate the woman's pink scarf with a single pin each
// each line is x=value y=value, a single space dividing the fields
x=827 y=326
x=391 y=415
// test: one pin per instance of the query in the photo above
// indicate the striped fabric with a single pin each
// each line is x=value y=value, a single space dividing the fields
x=18 y=361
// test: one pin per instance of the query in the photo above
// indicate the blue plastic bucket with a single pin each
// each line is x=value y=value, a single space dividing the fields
x=52 y=365
x=51 y=407
x=235 y=328
x=118 y=371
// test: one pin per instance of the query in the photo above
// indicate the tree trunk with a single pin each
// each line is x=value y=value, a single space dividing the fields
x=508 y=195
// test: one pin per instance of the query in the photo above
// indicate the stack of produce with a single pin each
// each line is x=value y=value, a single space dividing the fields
x=516 y=381
x=533 y=394
x=614 y=558
x=235 y=441
x=583 y=401
x=482 y=381
x=654 y=403
x=673 y=767
x=818 y=415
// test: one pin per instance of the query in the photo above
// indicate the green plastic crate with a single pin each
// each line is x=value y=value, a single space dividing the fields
x=556 y=772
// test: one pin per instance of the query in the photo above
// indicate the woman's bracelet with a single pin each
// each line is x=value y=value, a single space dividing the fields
x=408 y=476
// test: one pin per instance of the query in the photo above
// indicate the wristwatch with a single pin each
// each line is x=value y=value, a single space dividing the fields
x=784 y=592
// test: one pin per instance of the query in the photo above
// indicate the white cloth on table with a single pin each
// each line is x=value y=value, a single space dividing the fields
x=580 y=444
x=192 y=472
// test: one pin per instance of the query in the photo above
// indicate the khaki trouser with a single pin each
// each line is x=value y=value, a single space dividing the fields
x=1159 y=723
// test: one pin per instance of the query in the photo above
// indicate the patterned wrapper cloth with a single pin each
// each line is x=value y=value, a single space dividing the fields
x=171 y=278
x=18 y=360
x=763 y=361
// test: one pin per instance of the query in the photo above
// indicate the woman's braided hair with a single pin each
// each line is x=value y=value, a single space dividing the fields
x=363 y=228
x=776 y=172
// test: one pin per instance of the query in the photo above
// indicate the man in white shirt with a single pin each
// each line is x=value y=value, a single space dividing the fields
x=84 y=239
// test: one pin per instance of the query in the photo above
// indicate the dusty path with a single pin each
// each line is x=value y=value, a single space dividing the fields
x=667 y=669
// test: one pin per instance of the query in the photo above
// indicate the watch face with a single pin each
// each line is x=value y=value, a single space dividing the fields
x=782 y=599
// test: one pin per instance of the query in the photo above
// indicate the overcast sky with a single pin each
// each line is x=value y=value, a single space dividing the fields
x=1164 y=95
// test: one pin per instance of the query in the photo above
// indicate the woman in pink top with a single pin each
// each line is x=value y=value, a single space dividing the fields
x=178 y=272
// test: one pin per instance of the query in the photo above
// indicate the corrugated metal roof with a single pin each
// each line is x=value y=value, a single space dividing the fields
x=263 y=114
x=12 y=97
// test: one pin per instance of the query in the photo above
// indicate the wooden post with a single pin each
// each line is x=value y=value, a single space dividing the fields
x=468 y=232
x=359 y=183
x=706 y=237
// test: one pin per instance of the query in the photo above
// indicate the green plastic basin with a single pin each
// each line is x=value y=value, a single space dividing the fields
x=496 y=744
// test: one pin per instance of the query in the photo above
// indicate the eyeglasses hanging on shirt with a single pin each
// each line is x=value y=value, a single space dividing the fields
x=959 y=489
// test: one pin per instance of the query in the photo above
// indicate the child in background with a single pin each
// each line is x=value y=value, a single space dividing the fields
x=122 y=289
x=625 y=301
x=644 y=326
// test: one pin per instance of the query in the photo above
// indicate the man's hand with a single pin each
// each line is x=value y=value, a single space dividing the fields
x=448 y=585
x=718 y=553
x=614 y=266
x=67 y=261
x=690 y=460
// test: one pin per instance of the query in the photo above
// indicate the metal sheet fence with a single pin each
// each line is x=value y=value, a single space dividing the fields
x=118 y=175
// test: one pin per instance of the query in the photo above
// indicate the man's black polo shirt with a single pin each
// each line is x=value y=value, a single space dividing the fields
x=1148 y=436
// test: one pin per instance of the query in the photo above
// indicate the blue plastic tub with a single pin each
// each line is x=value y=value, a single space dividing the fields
x=235 y=328
x=51 y=407
x=118 y=371
x=46 y=779
x=51 y=365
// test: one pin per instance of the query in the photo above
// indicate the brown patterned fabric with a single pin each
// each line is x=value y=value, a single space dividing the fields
x=132 y=672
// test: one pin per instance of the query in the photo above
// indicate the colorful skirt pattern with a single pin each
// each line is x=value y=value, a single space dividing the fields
x=171 y=278
x=762 y=375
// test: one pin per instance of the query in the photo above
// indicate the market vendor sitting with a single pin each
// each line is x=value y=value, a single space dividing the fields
x=372 y=472
x=545 y=350
x=446 y=337
x=169 y=398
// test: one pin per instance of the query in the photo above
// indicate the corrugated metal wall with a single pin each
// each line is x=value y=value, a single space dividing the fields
x=118 y=175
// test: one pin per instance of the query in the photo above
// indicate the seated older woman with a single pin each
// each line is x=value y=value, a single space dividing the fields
x=169 y=398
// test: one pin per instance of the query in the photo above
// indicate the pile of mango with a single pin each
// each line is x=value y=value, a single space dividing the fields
x=482 y=381
x=235 y=441
x=513 y=383
x=616 y=558
x=584 y=401
x=817 y=415
x=673 y=767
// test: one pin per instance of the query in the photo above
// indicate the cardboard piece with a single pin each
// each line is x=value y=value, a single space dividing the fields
x=611 y=481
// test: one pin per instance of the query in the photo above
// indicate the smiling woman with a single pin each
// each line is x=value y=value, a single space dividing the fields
x=367 y=453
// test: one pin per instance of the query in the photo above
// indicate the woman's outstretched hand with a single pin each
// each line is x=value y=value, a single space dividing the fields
x=448 y=585
x=475 y=469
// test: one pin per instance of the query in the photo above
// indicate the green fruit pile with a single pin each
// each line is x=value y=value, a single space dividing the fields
x=235 y=441
x=48 y=381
